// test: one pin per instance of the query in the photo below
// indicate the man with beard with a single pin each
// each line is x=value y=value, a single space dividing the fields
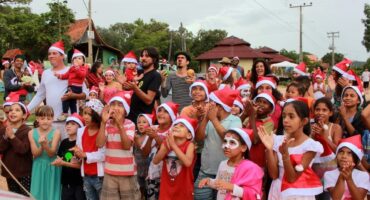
x=235 y=65
x=178 y=81
x=142 y=100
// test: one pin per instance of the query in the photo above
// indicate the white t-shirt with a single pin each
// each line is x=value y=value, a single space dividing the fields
x=365 y=76
x=360 y=178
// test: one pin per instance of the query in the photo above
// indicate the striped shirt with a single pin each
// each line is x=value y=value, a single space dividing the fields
x=180 y=90
x=118 y=161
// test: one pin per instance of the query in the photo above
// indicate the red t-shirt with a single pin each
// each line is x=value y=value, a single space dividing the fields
x=89 y=145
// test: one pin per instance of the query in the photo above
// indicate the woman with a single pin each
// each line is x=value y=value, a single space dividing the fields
x=111 y=86
x=95 y=75
x=259 y=68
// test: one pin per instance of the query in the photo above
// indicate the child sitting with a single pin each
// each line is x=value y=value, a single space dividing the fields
x=237 y=177
x=294 y=90
x=178 y=153
x=75 y=76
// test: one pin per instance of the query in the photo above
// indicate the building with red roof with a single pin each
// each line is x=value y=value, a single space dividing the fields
x=274 y=56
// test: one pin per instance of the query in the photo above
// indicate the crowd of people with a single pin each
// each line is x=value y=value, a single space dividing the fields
x=102 y=133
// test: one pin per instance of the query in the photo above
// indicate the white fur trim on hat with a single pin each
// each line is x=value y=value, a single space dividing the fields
x=267 y=97
x=319 y=76
x=201 y=85
x=187 y=124
x=75 y=119
x=299 y=72
x=228 y=73
x=335 y=68
x=121 y=100
x=5 y=62
x=150 y=121
x=259 y=83
x=169 y=110
x=353 y=148
x=214 y=98
x=78 y=54
x=56 y=49
x=129 y=60
x=243 y=135
x=109 y=72
x=357 y=91
x=213 y=68
x=244 y=87
x=239 y=104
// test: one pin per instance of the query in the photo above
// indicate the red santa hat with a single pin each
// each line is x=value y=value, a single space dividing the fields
x=123 y=97
x=130 y=57
x=319 y=74
x=224 y=97
x=245 y=134
x=238 y=102
x=301 y=69
x=191 y=124
x=13 y=98
x=76 y=118
x=226 y=72
x=328 y=154
x=109 y=71
x=202 y=84
x=172 y=109
x=353 y=143
x=58 y=46
x=354 y=77
x=342 y=66
x=213 y=67
x=358 y=92
x=242 y=84
x=77 y=53
x=94 y=89
x=148 y=117
x=268 y=97
x=4 y=62
x=266 y=80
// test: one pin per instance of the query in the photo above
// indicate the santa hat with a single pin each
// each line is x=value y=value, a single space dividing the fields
x=13 y=98
x=77 y=53
x=328 y=154
x=130 y=57
x=4 y=62
x=351 y=75
x=245 y=134
x=342 y=66
x=318 y=74
x=172 y=109
x=301 y=69
x=76 y=118
x=95 y=105
x=148 y=117
x=353 y=143
x=268 y=97
x=191 y=124
x=123 y=97
x=213 y=67
x=242 y=84
x=226 y=72
x=266 y=80
x=94 y=89
x=202 y=84
x=109 y=71
x=358 y=92
x=58 y=46
x=238 y=102
x=224 y=97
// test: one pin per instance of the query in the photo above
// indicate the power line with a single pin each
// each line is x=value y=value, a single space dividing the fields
x=332 y=35
x=87 y=9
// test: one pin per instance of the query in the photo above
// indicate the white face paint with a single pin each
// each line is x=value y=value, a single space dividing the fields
x=230 y=143
x=245 y=93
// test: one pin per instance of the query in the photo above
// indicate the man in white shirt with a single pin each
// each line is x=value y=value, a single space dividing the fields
x=365 y=78
x=53 y=89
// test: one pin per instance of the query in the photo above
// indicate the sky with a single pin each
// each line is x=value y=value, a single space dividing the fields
x=269 y=23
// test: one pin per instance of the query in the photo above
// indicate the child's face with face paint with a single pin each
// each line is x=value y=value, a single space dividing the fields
x=232 y=145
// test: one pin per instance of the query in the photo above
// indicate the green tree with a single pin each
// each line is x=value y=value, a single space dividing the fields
x=15 y=1
x=206 y=40
x=327 y=57
x=290 y=54
x=366 y=22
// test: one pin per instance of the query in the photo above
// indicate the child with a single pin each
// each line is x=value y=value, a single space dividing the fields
x=347 y=182
x=44 y=141
x=350 y=115
x=117 y=134
x=94 y=93
x=228 y=75
x=294 y=90
x=130 y=63
x=319 y=88
x=92 y=165
x=15 y=148
x=237 y=177
x=200 y=96
x=75 y=76
x=245 y=88
x=71 y=173
x=166 y=115
x=178 y=154
x=238 y=107
x=289 y=156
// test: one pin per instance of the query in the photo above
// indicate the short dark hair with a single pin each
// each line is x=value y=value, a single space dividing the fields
x=153 y=53
x=187 y=56
x=300 y=87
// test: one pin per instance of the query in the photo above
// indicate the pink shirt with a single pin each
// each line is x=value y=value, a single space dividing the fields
x=118 y=161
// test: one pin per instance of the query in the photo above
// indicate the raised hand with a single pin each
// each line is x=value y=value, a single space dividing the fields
x=283 y=149
x=105 y=114
x=266 y=138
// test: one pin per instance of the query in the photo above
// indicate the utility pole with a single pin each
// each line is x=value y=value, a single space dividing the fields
x=300 y=26
x=170 y=48
x=90 y=37
x=332 y=35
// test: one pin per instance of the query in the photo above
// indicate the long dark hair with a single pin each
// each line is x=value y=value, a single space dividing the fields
x=95 y=67
x=328 y=104
x=254 y=76
x=302 y=111
x=153 y=53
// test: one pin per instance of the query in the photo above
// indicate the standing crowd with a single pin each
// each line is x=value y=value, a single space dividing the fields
x=105 y=134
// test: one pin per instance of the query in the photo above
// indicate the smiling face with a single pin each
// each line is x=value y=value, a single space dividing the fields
x=212 y=74
x=16 y=114
x=264 y=107
x=264 y=88
x=163 y=117
x=55 y=58
x=260 y=69
x=109 y=77
x=179 y=130
x=18 y=63
x=198 y=93
x=235 y=110
x=350 y=98
x=322 y=113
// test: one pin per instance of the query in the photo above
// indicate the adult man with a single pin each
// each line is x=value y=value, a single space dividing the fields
x=212 y=130
x=12 y=78
x=53 y=89
x=365 y=76
x=178 y=81
x=142 y=100
x=234 y=64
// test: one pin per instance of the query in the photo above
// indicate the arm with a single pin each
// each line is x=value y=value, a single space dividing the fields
x=101 y=138
x=356 y=192
x=147 y=98
x=348 y=126
x=219 y=128
x=337 y=191
x=36 y=151
x=4 y=143
x=81 y=72
x=336 y=137
x=51 y=150
x=365 y=116
x=186 y=159
x=20 y=145
x=272 y=164
x=291 y=174
x=125 y=140
x=8 y=83
x=252 y=122
x=39 y=97
x=160 y=154
x=166 y=88
x=64 y=76
x=200 y=133
x=71 y=165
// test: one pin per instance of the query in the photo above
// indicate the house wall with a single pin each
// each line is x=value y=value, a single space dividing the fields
x=106 y=55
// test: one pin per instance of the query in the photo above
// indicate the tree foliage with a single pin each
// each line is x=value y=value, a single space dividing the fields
x=337 y=58
x=15 y=1
x=366 y=22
